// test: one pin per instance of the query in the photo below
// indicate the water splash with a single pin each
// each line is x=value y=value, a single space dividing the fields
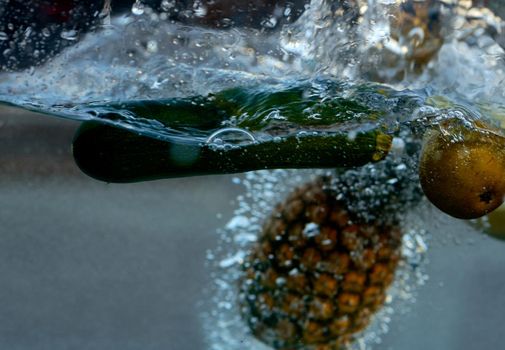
x=146 y=56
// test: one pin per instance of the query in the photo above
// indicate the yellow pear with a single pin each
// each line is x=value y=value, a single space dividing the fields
x=462 y=168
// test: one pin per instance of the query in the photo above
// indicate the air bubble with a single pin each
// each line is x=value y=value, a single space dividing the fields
x=311 y=230
x=70 y=35
x=152 y=46
x=263 y=190
x=28 y=32
x=167 y=5
x=231 y=136
x=199 y=9
x=138 y=8
x=46 y=32
x=270 y=22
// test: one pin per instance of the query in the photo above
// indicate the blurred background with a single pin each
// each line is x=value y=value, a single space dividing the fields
x=90 y=265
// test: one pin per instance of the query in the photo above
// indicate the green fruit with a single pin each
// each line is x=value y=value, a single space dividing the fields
x=306 y=124
x=112 y=154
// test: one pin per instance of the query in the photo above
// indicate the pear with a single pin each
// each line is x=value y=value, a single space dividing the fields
x=462 y=168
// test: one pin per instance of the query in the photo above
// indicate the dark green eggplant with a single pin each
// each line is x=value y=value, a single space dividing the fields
x=317 y=124
x=113 y=154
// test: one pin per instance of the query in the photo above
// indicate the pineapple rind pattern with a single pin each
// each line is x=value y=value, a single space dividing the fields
x=318 y=273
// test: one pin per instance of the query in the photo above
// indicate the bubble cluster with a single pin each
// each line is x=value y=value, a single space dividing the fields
x=224 y=327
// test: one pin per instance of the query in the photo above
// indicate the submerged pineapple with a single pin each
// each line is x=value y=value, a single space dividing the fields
x=317 y=273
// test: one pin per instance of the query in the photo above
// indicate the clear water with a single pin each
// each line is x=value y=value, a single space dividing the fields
x=144 y=56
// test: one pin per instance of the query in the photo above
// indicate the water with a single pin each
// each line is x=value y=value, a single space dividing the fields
x=146 y=56
x=142 y=56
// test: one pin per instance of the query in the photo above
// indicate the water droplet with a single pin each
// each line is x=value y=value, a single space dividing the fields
x=225 y=305
x=199 y=9
x=270 y=22
x=311 y=230
x=387 y=2
x=398 y=145
x=280 y=281
x=28 y=32
x=275 y=115
x=401 y=167
x=69 y=34
x=226 y=22
x=228 y=147
x=138 y=8
x=232 y=260
x=315 y=116
x=3 y=36
x=236 y=180
x=46 y=32
x=351 y=135
x=152 y=46
x=167 y=5
x=238 y=222
x=210 y=255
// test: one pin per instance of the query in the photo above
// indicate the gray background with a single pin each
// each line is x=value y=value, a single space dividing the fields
x=88 y=265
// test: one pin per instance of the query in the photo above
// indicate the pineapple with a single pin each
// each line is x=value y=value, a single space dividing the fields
x=418 y=27
x=318 y=271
